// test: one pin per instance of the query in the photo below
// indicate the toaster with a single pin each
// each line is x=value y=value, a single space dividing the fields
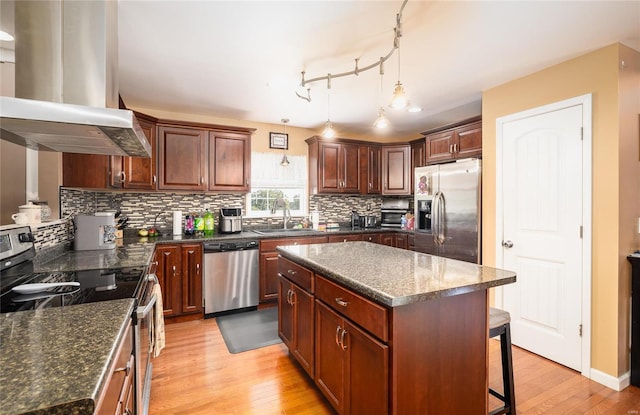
x=94 y=232
x=230 y=220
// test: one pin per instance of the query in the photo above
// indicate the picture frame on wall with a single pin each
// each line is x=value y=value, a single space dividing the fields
x=279 y=140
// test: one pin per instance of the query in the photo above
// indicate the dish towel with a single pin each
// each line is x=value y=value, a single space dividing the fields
x=158 y=323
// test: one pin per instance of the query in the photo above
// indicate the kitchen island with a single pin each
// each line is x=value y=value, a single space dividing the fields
x=384 y=330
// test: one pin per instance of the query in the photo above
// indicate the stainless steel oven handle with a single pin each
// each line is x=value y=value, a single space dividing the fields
x=142 y=311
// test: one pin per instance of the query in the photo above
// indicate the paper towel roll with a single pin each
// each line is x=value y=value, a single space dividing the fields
x=177 y=222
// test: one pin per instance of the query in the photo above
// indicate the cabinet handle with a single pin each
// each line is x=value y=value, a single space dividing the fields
x=201 y=180
x=247 y=182
x=126 y=369
x=293 y=298
x=197 y=269
x=291 y=272
x=289 y=296
x=174 y=270
x=344 y=347
x=455 y=148
x=124 y=177
x=155 y=179
x=341 y=302
x=338 y=330
x=370 y=186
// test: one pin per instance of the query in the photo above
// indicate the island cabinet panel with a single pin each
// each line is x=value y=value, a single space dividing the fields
x=351 y=365
x=182 y=157
x=229 y=161
x=440 y=339
x=296 y=324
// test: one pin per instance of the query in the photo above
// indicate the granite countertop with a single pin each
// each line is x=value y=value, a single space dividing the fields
x=58 y=358
x=393 y=276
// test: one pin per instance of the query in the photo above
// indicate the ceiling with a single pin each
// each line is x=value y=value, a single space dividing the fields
x=242 y=59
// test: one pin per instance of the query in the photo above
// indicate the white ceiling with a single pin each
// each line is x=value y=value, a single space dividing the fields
x=242 y=59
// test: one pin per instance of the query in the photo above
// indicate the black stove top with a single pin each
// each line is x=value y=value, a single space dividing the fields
x=95 y=285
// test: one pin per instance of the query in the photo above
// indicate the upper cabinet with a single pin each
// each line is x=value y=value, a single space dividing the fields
x=334 y=166
x=460 y=140
x=396 y=166
x=182 y=158
x=371 y=169
x=141 y=172
x=418 y=157
x=229 y=161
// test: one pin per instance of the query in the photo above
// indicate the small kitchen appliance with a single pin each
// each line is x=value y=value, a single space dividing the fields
x=368 y=221
x=95 y=231
x=230 y=220
x=391 y=212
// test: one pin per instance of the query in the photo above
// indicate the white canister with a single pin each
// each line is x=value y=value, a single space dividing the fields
x=32 y=211
x=315 y=219
x=177 y=222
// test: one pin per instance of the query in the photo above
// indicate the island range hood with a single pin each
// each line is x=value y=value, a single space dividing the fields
x=66 y=81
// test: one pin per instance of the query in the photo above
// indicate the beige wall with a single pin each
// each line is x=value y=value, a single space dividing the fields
x=613 y=191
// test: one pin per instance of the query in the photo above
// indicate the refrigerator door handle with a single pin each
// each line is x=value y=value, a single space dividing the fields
x=437 y=218
x=440 y=212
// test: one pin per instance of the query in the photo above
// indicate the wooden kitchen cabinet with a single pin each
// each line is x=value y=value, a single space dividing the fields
x=371 y=170
x=118 y=394
x=268 y=269
x=102 y=172
x=352 y=366
x=396 y=165
x=296 y=313
x=418 y=158
x=229 y=161
x=179 y=272
x=182 y=158
x=371 y=237
x=334 y=166
x=344 y=238
x=396 y=240
x=460 y=140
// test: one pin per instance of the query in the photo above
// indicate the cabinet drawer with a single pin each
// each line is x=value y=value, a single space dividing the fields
x=370 y=316
x=294 y=272
x=344 y=238
x=271 y=244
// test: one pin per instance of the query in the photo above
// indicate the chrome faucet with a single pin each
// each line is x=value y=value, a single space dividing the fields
x=284 y=204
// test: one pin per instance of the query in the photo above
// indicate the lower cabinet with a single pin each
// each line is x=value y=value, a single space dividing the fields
x=118 y=394
x=351 y=365
x=180 y=274
x=397 y=240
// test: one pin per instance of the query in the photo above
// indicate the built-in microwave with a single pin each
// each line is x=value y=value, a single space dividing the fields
x=392 y=211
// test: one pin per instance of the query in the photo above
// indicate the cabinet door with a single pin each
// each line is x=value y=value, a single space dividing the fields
x=387 y=239
x=330 y=376
x=329 y=175
x=371 y=170
x=192 y=278
x=469 y=140
x=182 y=158
x=344 y=238
x=229 y=161
x=418 y=150
x=401 y=241
x=439 y=146
x=85 y=170
x=395 y=170
x=168 y=273
x=140 y=172
x=268 y=271
x=304 y=344
x=350 y=168
x=367 y=373
x=285 y=312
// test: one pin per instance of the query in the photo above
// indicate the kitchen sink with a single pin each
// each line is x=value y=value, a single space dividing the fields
x=294 y=231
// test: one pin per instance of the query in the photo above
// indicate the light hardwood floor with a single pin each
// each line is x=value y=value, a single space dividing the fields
x=195 y=374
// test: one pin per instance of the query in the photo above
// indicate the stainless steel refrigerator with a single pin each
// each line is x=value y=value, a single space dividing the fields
x=447 y=209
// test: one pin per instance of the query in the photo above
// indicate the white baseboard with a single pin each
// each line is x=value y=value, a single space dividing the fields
x=609 y=381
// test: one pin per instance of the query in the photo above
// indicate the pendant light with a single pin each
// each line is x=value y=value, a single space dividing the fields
x=382 y=121
x=399 y=100
x=285 y=161
x=328 y=132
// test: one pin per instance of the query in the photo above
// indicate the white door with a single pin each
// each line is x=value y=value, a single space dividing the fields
x=541 y=182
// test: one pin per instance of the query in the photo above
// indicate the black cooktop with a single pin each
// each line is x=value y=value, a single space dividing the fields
x=95 y=285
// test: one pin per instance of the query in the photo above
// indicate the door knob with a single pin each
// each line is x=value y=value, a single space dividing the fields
x=507 y=244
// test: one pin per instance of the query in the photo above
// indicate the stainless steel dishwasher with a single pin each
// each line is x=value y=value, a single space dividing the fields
x=230 y=276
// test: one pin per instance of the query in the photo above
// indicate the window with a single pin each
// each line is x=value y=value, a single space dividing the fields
x=270 y=181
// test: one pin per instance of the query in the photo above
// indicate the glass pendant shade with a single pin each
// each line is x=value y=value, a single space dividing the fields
x=285 y=161
x=328 y=132
x=382 y=121
x=399 y=100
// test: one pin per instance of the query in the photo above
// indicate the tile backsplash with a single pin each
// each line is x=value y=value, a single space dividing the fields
x=145 y=209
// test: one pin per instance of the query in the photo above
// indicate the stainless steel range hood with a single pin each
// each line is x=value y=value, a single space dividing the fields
x=66 y=81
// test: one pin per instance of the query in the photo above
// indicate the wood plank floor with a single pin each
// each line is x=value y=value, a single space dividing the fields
x=195 y=374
